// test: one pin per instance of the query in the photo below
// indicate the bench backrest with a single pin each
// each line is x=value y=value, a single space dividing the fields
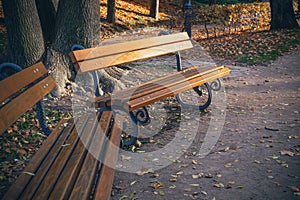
x=116 y=54
x=21 y=91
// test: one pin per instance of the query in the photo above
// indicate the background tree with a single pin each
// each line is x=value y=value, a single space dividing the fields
x=46 y=29
x=212 y=2
x=26 y=44
x=154 y=9
x=111 y=11
x=282 y=15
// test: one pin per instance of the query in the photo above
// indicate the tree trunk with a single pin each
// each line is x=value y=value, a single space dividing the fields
x=47 y=12
x=26 y=44
x=211 y=2
x=59 y=24
x=154 y=9
x=77 y=22
x=282 y=15
x=111 y=11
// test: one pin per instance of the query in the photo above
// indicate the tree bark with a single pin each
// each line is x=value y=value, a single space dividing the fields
x=111 y=11
x=77 y=22
x=25 y=38
x=211 y=2
x=47 y=10
x=282 y=15
x=48 y=34
x=154 y=9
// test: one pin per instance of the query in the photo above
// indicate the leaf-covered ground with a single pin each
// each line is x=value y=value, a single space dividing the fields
x=23 y=138
x=253 y=48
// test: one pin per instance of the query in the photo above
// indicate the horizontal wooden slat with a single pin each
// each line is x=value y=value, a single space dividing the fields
x=17 y=81
x=110 y=55
x=19 y=105
x=162 y=94
x=112 y=60
x=154 y=85
x=168 y=82
x=103 y=51
x=128 y=91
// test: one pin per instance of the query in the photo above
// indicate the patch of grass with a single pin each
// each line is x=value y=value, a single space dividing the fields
x=253 y=48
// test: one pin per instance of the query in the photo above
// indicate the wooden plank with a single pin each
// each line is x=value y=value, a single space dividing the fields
x=168 y=82
x=17 y=81
x=19 y=105
x=64 y=185
x=104 y=187
x=124 y=47
x=155 y=85
x=67 y=137
x=162 y=94
x=85 y=181
x=106 y=98
x=54 y=139
x=131 y=56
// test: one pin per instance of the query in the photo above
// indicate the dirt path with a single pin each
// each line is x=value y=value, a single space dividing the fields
x=257 y=155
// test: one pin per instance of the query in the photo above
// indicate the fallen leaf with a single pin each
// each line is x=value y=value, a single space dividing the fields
x=157 y=184
x=133 y=182
x=125 y=158
x=172 y=187
x=161 y=193
x=29 y=173
x=227 y=165
x=173 y=180
x=123 y=197
x=144 y=171
x=294 y=189
x=195 y=176
x=194 y=162
x=286 y=152
x=218 y=185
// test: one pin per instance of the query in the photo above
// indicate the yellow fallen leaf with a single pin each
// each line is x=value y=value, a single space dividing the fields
x=29 y=173
x=286 y=152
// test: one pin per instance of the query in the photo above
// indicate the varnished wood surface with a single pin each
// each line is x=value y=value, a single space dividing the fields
x=26 y=100
x=115 y=54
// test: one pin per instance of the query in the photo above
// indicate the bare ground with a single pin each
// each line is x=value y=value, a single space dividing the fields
x=257 y=153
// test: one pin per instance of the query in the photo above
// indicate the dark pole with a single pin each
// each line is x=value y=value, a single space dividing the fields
x=188 y=17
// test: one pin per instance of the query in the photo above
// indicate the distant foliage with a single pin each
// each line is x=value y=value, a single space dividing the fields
x=226 y=19
x=221 y=2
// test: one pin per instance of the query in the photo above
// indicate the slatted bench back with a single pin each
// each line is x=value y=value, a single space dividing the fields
x=21 y=91
x=116 y=54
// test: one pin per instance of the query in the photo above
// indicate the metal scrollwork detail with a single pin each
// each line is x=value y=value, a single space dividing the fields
x=139 y=117
x=216 y=85
x=199 y=91
x=142 y=116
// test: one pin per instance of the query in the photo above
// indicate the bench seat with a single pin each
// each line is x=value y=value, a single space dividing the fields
x=77 y=159
x=161 y=88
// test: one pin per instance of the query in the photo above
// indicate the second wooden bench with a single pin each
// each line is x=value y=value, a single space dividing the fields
x=77 y=160
x=139 y=96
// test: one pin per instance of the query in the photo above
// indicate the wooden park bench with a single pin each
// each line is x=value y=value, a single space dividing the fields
x=139 y=96
x=63 y=167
